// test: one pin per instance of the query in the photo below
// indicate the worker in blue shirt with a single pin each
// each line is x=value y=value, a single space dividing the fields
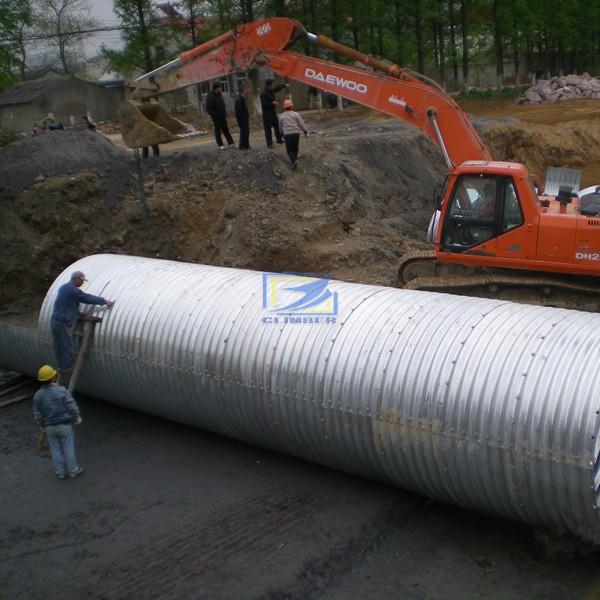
x=64 y=315
x=55 y=410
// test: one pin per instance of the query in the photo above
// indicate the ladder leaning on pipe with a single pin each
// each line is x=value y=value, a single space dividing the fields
x=89 y=323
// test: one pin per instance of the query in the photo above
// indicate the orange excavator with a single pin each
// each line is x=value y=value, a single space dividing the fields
x=496 y=231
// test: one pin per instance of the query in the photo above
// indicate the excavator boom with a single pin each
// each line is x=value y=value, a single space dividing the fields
x=386 y=88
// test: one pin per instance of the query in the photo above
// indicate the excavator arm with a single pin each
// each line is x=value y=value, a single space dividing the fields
x=384 y=87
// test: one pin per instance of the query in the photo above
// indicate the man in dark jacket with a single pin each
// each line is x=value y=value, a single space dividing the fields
x=269 y=113
x=215 y=107
x=64 y=314
x=243 y=118
x=54 y=410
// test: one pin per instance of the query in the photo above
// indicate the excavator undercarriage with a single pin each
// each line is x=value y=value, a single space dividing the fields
x=421 y=270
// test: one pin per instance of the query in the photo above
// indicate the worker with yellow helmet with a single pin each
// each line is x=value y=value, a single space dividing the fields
x=55 y=411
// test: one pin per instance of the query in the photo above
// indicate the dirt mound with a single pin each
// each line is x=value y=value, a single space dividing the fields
x=31 y=160
x=575 y=145
x=361 y=196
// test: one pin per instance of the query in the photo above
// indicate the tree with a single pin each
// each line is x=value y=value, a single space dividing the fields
x=498 y=34
x=247 y=11
x=453 y=51
x=139 y=38
x=14 y=17
x=223 y=10
x=418 y=17
x=439 y=30
x=465 y=43
x=558 y=34
x=65 y=21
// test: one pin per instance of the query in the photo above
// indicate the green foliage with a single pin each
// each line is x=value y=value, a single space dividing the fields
x=8 y=136
x=61 y=20
x=140 y=38
x=14 y=14
x=556 y=35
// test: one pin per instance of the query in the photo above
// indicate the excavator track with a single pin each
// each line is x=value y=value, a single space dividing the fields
x=419 y=270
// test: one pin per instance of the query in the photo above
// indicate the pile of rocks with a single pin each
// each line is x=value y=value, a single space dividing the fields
x=562 y=88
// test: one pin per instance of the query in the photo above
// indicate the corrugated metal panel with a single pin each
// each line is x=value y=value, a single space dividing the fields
x=486 y=404
x=561 y=176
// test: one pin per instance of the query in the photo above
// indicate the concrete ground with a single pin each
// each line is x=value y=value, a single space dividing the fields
x=167 y=511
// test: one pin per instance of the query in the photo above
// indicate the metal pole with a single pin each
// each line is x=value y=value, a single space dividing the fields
x=142 y=191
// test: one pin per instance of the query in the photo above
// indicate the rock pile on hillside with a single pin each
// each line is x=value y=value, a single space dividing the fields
x=562 y=88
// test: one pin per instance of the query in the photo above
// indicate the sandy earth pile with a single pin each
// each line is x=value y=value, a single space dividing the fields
x=559 y=89
x=574 y=145
x=361 y=196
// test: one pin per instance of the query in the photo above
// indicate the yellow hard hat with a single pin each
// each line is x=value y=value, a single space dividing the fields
x=46 y=373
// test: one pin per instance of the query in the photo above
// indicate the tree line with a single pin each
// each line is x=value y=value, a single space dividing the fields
x=442 y=37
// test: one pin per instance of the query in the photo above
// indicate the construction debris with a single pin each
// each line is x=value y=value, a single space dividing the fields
x=562 y=88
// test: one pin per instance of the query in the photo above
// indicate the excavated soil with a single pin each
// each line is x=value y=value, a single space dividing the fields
x=32 y=160
x=362 y=195
x=360 y=198
x=566 y=134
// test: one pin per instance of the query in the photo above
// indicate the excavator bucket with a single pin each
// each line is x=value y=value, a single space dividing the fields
x=148 y=124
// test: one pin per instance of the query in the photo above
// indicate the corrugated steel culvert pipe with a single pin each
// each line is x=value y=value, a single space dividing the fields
x=485 y=404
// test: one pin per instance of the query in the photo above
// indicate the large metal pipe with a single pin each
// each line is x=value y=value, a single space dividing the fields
x=482 y=403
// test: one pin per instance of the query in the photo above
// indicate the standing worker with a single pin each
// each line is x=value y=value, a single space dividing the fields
x=269 y=113
x=54 y=410
x=243 y=117
x=64 y=315
x=215 y=107
x=292 y=125
x=155 y=151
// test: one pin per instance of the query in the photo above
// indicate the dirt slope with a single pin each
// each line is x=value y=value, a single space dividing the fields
x=566 y=134
x=361 y=195
x=360 y=198
x=573 y=145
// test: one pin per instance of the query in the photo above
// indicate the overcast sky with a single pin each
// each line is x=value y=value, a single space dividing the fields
x=102 y=11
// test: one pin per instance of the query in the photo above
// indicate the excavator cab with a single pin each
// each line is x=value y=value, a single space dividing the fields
x=481 y=207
